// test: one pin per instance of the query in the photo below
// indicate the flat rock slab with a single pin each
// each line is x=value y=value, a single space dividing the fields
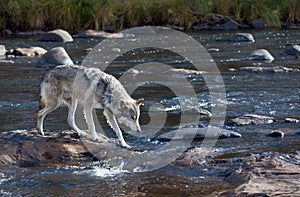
x=276 y=69
x=197 y=134
x=249 y=119
x=267 y=174
x=28 y=148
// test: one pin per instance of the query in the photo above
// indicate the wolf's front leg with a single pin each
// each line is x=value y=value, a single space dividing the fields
x=114 y=125
x=88 y=111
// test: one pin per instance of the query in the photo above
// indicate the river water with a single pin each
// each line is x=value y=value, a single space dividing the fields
x=269 y=94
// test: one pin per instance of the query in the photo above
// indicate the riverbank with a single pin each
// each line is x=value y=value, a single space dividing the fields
x=116 y=15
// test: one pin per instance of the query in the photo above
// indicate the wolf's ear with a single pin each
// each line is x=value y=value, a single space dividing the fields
x=139 y=101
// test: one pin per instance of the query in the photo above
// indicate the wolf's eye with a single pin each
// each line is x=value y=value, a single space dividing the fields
x=132 y=114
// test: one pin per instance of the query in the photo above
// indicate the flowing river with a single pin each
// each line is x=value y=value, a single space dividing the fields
x=268 y=94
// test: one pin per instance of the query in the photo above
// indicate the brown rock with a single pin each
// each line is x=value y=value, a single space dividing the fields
x=28 y=148
x=267 y=174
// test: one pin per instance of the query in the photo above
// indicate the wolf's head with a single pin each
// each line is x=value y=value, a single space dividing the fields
x=129 y=114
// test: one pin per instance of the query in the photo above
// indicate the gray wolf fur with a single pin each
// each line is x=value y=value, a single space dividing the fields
x=92 y=88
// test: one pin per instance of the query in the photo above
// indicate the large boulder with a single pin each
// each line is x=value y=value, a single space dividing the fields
x=57 y=35
x=55 y=56
x=31 y=51
x=2 y=50
x=260 y=54
x=101 y=34
x=242 y=37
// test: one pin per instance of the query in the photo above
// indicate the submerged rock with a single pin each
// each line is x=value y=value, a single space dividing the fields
x=276 y=69
x=251 y=119
x=31 y=51
x=293 y=50
x=55 y=56
x=260 y=54
x=57 y=35
x=242 y=37
x=101 y=34
x=197 y=134
x=266 y=174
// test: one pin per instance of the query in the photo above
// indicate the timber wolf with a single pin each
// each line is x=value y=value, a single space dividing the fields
x=92 y=88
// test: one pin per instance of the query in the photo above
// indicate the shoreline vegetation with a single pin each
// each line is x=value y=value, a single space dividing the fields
x=115 y=15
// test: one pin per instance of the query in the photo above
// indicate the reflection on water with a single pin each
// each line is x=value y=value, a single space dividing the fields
x=268 y=94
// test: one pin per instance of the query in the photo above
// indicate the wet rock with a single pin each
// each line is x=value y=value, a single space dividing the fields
x=2 y=50
x=213 y=50
x=197 y=134
x=276 y=134
x=193 y=157
x=291 y=120
x=185 y=72
x=101 y=34
x=31 y=51
x=293 y=50
x=55 y=56
x=28 y=148
x=6 y=33
x=260 y=54
x=57 y=35
x=276 y=69
x=267 y=174
x=249 y=119
x=259 y=23
x=242 y=37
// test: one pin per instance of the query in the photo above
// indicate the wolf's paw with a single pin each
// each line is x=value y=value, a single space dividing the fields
x=126 y=146
x=99 y=139
x=83 y=134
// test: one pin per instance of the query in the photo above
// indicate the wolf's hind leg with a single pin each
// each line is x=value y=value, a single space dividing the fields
x=47 y=107
x=113 y=123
